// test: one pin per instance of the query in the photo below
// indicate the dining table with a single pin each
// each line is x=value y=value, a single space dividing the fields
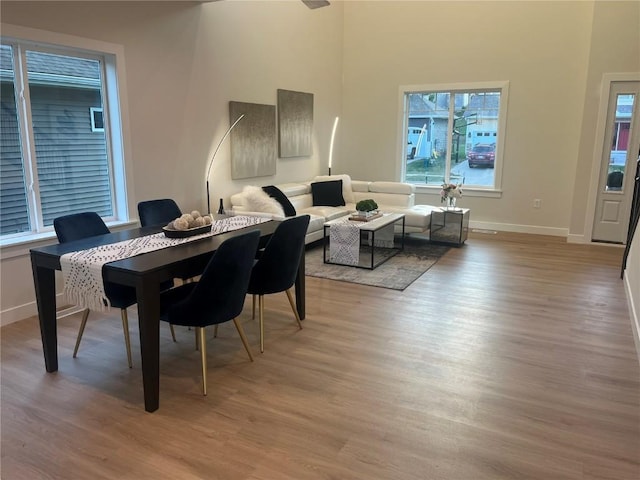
x=145 y=273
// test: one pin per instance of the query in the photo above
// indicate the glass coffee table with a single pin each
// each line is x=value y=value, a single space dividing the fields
x=362 y=244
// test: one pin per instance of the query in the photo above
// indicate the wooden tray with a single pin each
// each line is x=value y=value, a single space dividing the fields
x=170 y=233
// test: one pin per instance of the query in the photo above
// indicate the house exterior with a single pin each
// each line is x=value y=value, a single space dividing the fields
x=66 y=104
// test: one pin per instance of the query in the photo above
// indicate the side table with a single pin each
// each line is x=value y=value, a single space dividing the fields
x=449 y=226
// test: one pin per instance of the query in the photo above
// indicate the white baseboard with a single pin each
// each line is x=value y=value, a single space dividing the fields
x=20 y=312
x=573 y=238
x=634 y=314
x=515 y=228
x=15 y=314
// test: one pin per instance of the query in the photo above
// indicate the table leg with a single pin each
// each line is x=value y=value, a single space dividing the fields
x=301 y=288
x=148 y=297
x=45 y=288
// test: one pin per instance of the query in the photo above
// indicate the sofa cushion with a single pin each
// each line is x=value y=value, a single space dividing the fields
x=281 y=198
x=294 y=189
x=316 y=222
x=359 y=186
x=384 y=199
x=257 y=200
x=392 y=187
x=328 y=213
x=327 y=193
x=347 y=192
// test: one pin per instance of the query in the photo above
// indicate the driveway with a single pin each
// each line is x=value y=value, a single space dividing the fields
x=473 y=176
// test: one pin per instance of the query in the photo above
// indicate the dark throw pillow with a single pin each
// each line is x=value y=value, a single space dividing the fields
x=327 y=194
x=275 y=193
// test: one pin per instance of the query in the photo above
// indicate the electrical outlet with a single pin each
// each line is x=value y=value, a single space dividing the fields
x=536 y=203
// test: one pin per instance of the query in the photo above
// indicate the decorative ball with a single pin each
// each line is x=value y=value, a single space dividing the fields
x=198 y=222
x=207 y=219
x=181 y=224
x=196 y=214
x=188 y=217
x=171 y=226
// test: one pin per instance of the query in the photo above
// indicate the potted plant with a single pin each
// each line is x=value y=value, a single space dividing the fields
x=367 y=207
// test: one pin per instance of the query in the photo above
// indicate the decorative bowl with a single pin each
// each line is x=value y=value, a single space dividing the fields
x=190 y=232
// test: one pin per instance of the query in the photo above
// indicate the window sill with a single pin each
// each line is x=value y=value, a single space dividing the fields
x=20 y=246
x=467 y=191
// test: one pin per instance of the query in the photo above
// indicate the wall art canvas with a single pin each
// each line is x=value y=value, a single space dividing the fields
x=253 y=140
x=295 y=123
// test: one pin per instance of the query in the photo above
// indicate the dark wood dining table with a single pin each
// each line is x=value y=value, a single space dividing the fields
x=145 y=273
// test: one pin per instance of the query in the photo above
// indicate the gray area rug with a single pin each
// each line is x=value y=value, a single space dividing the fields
x=397 y=273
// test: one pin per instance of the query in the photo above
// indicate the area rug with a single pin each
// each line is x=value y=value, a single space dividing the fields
x=397 y=273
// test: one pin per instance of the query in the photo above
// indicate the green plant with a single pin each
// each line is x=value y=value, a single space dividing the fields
x=366 y=205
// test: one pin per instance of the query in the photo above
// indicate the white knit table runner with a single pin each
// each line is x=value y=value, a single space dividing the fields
x=82 y=270
x=344 y=243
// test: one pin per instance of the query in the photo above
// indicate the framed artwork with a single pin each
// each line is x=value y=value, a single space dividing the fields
x=253 y=140
x=295 y=123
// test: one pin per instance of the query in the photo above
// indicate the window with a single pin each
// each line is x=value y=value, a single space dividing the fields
x=97 y=122
x=454 y=135
x=56 y=156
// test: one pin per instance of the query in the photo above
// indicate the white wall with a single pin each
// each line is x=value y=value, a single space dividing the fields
x=541 y=48
x=184 y=63
x=632 y=283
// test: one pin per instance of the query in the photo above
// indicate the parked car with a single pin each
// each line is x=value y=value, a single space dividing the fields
x=482 y=155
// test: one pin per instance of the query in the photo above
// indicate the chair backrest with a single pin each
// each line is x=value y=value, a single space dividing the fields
x=278 y=264
x=89 y=224
x=158 y=212
x=220 y=293
x=78 y=226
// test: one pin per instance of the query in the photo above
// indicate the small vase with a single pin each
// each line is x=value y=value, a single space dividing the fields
x=451 y=203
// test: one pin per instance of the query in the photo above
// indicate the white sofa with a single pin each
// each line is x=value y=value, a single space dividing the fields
x=394 y=197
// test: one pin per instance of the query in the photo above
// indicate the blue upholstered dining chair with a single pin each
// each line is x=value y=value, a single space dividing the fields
x=158 y=212
x=89 y=224
x=277 y=266
x=217 y=297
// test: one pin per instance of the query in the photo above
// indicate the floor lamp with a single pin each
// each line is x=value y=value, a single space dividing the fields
x=214 y=156
x=333 y=137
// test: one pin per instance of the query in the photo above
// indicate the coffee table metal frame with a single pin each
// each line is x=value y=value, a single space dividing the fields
x=367 y=227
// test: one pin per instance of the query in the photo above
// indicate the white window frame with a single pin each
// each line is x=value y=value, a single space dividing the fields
x=479 y=191
x=92 y=112
x=115 y=117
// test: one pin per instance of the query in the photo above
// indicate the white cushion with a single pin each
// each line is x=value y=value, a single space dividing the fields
x=329 y=213
x=347 y=192
x=383 y=199
x=359 y=186
x=392 y=187
x=294 y=189
x=257 y=200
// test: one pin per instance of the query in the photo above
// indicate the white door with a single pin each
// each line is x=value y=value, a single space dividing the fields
x=620 y=152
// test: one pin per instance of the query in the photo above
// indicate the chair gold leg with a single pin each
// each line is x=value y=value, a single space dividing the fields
x=173 y=332
x=215 y=331
x=243 y=337
x=293 y=307
x=261 y=314
x=125 y=328
x=253 y=307
x=83 y=324
x=203 y=357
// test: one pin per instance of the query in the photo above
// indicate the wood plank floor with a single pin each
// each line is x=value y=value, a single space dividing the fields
x=512 y=358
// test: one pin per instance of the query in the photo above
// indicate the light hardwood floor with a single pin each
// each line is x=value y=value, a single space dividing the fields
x=512 y=358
